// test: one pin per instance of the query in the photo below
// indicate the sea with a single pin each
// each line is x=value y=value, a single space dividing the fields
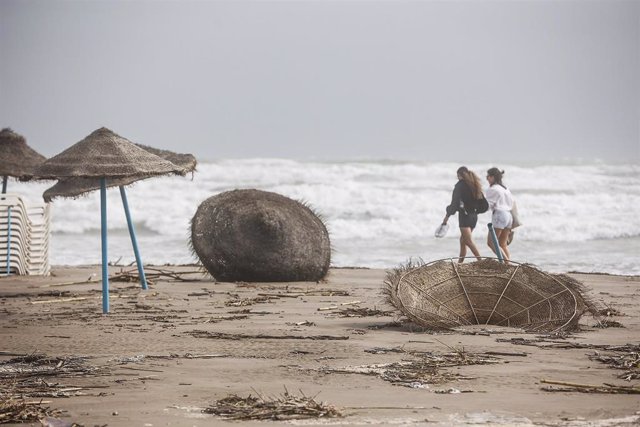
x=380 y=214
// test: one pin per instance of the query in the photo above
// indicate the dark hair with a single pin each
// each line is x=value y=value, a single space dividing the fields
x=472 y=180
x=497 y=176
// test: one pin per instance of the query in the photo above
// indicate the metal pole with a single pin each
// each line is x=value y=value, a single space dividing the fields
x=4 y=184
x=494 y=239
x=134 y=241
x=8 y=240
x=103 y=232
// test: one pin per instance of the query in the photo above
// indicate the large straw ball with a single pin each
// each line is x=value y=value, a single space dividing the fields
x=259 y=236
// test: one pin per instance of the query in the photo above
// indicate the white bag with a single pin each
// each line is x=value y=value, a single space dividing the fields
x=516 y=218
x=441 y=231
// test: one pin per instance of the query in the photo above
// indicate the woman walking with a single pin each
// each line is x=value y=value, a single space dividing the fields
x=467 y=190
x=500 y=203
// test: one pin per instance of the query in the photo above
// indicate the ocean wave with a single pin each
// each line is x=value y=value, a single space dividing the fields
x=385 y=204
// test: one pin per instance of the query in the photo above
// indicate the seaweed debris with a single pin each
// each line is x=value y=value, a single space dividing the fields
x=284 y=407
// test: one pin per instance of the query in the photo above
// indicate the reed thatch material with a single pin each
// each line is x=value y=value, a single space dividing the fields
x=17 y=159
x=104 y=154
x=259 y=236
x=76 y=187
x=444 y=294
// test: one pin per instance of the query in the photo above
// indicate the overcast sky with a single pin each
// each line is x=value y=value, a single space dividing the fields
x=465 y=81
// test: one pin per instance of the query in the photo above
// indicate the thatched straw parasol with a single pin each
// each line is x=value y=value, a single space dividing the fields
x=445 y=294
x=253 y=235
x=17 y=159
x=76 y=187
x=104 y=155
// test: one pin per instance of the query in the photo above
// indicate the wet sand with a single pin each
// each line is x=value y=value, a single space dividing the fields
x=168 y=352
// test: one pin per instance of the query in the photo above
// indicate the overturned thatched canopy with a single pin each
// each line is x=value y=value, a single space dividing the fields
x=104 y=154
x=75 y=187
x=17 y=159
x=445 y=294
x=259 y=236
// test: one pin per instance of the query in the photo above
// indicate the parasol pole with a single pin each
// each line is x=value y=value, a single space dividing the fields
x=4 y=184
x=134 y=241
x=494 y=239
x=103 y=233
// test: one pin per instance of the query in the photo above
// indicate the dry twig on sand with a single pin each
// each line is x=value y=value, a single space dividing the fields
x=24 y=375
x=225 y=336
x=605 y=323
x=420 y=372
x=590 y=388
x=284 y=407
x=153 y=273
x=363 y=312
x=629 y=361
x=18 y=410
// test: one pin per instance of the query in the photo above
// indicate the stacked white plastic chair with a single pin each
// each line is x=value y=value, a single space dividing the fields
x=24 y=236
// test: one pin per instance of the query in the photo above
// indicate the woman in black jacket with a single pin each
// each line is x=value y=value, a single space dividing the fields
x=467 y=190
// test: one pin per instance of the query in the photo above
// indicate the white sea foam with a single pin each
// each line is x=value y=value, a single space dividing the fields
x=378 y=213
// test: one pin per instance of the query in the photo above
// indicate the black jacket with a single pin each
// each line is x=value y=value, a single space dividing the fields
x=461 y=193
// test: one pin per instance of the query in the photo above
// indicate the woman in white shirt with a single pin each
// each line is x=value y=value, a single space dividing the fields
x=500 y=203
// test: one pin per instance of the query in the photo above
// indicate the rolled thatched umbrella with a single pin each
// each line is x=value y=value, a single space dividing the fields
x=444 y=294
x=17 y=159
x=75 y=187
x=253 y=235
x=104 y=155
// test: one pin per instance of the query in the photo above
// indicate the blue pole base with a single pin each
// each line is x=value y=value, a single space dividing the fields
x=103 y=235
x=134 y=241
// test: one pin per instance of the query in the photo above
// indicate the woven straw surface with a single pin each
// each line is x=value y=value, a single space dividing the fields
x=445 y=294
x=105 y=154
x=75 y=187
x=253 y=235
x=17 y=159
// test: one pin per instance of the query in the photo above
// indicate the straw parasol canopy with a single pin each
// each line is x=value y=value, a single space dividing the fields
x=105 y=154
x=444 y=294
x=76 y=187
x=17 y=159
x=259 y=236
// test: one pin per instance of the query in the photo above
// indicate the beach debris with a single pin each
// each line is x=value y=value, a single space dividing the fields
x=40 y=365
x=304 y=323
x=362 y=312
x=335 y=307
x=589 y=388
x=27 y=376
x=153 y=274
x=225 y=336
x=554 y=344
x=605 y=323
x=425 y=369
x=610 y=311
x=243 y=302
x=444 y=294
x=56 y=422
x=260 y=236
x=628 y=361
x=284 y=407
x=15 y=409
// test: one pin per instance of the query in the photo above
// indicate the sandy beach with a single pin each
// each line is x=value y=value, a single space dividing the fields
x=163 y=355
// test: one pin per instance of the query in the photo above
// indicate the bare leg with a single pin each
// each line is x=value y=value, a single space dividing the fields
x=463 y=247
x=503 y=237
x=466 y=239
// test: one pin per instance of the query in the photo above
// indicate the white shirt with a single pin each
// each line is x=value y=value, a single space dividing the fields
x=499 y=198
